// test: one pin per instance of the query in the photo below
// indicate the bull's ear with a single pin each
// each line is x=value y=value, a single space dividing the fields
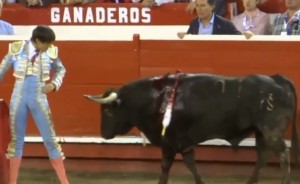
x=118 y=102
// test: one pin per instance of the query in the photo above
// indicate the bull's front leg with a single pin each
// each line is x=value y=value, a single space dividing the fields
x=168 y=155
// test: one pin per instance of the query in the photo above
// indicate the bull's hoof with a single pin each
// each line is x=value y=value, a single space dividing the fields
x=286 y=181
x=199 y=182
x=252 y=182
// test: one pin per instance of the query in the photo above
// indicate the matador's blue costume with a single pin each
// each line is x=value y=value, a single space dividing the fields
x=32 y=70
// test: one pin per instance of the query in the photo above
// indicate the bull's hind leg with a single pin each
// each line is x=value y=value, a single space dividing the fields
x=168 y=155
x=281 y=150
x=263 y=153
x=272 y=141
x=189 y=160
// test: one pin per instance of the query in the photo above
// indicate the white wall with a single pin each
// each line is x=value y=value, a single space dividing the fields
x=111 y=32
x=107 y=32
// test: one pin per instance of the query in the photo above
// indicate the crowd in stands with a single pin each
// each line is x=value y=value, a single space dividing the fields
x=43 y=3
x=5 y=27
x=210 y=19
x=251 y=22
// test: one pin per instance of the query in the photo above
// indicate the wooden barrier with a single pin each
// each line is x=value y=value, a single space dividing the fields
x=93 y=66
x=4 y=139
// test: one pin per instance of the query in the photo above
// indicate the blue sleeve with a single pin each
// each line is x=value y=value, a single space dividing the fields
x=5 y=65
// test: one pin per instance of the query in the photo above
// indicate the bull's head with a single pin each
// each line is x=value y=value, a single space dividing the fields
x=113 y=113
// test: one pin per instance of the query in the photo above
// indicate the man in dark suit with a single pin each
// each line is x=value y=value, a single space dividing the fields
x=208 y=23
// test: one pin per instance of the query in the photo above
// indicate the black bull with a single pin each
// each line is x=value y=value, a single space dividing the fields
x=206 y=107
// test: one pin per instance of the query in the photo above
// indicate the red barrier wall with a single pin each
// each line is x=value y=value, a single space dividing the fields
x=4 y=139
x=91 y=68
x=94 y=66
x=98 y=65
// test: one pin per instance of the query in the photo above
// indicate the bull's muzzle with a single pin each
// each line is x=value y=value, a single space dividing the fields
x=103 y=100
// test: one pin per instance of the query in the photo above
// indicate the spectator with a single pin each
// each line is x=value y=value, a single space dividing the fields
x=70 y=2
x=208 y=22
x=220 y=7
x=5 y=27
x=288 y=22
x=9 y=1
x=34 y=3
x=119 y=1
x=253 y=19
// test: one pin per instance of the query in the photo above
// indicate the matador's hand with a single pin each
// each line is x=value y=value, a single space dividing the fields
x=48 y=88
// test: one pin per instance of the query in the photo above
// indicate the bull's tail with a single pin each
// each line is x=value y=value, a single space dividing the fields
x=295 y=147
x=295 y=137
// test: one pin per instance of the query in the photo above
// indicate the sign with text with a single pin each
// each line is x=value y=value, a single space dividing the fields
x=98 y=14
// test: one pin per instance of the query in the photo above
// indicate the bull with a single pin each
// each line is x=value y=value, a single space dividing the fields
x=205 y=107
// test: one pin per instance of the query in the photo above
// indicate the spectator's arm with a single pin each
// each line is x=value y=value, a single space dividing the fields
x=189 y=31
x=151 y=3
x=232 y=29
x=274 y=26
x=11 y=30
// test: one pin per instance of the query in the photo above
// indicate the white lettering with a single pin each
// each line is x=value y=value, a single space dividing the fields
x=67 y=17
x=100 y=15
x=134 y=15
x=55 y=15
x=110 y=15
x=146 y=16
x=78 y=14
x=123 y=15
x=89 y=15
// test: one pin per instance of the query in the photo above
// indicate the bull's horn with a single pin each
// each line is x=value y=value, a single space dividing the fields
x=93 y=98
x=99 y=99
